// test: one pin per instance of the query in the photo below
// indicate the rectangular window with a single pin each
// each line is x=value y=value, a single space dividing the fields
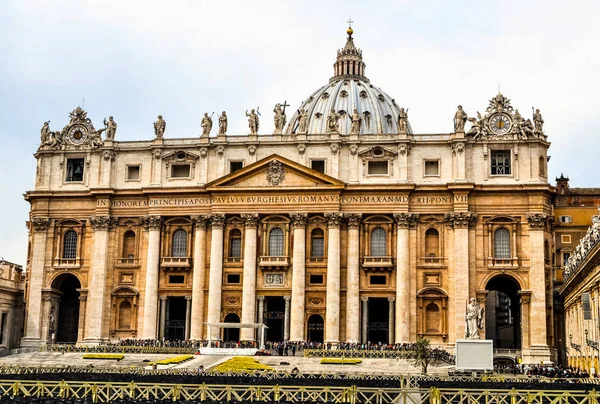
x=565 y=238
x=133 y=173
x=177 y=279
x=378 y=280
x=236 y=247
x=235 y=165
x=318 y=165
x=565 y=219
x=378 y=168
x=432 y=168
x=233 y=278
x=180 y=171
x=74 y=170
x=316 y=279
x=566 y=256
x=501 y=162
x=3 y=328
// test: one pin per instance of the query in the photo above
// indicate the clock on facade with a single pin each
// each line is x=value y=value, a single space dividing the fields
x=500 y=123
x=77 y=134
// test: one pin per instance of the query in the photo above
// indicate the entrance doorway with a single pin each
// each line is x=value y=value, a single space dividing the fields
x=315 y=327
x=503 y=312
x=231 y=334
x=68 y=309
x=378 y=316
x=273 y=317
x=175 y=321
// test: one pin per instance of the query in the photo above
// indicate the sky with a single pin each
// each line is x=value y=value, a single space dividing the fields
x=137 y=59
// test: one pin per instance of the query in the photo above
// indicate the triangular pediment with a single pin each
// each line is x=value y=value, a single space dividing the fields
x=275 y=172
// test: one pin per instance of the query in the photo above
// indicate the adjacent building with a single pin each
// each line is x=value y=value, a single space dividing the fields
x=12 y=305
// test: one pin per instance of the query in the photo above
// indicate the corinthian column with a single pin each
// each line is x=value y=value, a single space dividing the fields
x=286 y=319
x=402 y=326
x=353 y=279
x=215 y=278
x=537 y=281
x=153 y=225
x=298 y=277
x=197 y=315
x=460 y=222
x=96 y=296
x=36 y=280
x=332 y=307
x=249 y=283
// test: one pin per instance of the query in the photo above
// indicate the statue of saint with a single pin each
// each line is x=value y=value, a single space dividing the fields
x=473 y=319
x=538 y=122
x=51 y=326
x=223 y=123
x=402 y=120
x=253 y=121
x=302 y=121
x=279 y=118
x=332 y=122
x=356 y=121
x=206 y=124
x=159 y=127
x=460 y=117
x=111 y=128
x=45 y=134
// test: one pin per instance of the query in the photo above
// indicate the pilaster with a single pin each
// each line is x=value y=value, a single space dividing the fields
x=332 y=314
x=153 y=225
x=353 y=278
x=215 y=282
x=402 y=324
x=197 y=310
x=249 y=282
x=298 y=277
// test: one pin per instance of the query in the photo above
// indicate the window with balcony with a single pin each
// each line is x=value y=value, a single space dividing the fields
x=179 y=243
x=276 y=244
x=378 y=242
x=317 y=243
x=235 y=243
x=70 y=245
x=502 y=243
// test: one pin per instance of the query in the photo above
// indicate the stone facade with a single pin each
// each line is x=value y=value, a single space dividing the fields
x=12 y=305
x=356 y=233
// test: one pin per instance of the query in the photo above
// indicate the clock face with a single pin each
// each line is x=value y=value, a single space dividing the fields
x=500 y=124
x=77 y=134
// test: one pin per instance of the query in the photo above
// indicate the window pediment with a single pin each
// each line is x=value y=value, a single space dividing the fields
x=180 y=156
x=377 y=153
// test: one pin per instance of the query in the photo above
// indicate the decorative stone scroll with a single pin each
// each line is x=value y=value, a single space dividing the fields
x=109 y=155
x=275 y=173
x=250 y=219
x=460 y=220
x=200 y=221
x=353 y=220
x=40 y=223
x=152 y=222
x=334 y=219
x=537 y=221
x=299 y=219
x=104 y=223
x=217 y=220
x=406 y=220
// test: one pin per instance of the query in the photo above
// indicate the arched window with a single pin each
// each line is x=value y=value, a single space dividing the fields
x=502 y=243
x=276 y=242
x=378 y=242
x=542 y=166
x=235 y=243
x=432 y=318
x=125 y=315
x=129 y=244
x=179 y=245
x=317 y=243
x=432 y=243
x=70 y=245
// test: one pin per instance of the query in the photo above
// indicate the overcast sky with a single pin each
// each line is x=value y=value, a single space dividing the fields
x=137 y=59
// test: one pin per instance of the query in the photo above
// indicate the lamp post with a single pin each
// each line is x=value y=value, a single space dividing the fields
x=593 y=345
x=576 y=347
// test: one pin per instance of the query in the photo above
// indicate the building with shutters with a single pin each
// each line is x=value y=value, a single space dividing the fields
x=344 y=224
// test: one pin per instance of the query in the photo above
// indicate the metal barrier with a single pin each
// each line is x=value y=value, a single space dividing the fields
x=118 y=349
x=371 y=354
x=107 y=392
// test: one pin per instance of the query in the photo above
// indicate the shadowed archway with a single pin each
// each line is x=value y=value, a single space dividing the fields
x=67 y=323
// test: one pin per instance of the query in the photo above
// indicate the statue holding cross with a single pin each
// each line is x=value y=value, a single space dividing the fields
x=280 y=117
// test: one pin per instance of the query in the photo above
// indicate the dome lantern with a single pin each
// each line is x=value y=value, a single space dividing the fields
x=349 y=63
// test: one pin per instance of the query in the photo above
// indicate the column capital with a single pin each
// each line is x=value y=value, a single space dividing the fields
x=525 y=296
x=188 y=298
x=287 y=299
x=364 y=299
x=40 y=223
x=103 y=223
x=250 y=219
x=152 y=222
x=333 y=219
x=391 y=299
x=163 y=298
x=539 y=221
x=260 y=298
x=299 y=219
x=200 y=221
x=217 y=220
x=460 y=220
x=353 y=220
x=406 y=220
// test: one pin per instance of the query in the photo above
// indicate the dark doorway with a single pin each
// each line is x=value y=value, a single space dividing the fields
x=68 y=310
x=231 y=334
x=378 y=325
x=175 y=321
x=273 y=316
x=503 y=313
x=315 y=326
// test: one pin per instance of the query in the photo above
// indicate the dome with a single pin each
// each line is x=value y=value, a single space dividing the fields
x=347 y=90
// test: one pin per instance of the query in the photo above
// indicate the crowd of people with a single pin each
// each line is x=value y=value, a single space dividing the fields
x=550 y=371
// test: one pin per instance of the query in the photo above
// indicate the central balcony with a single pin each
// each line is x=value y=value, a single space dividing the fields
x=378 y=262
x=176 y=263
x=274 y=262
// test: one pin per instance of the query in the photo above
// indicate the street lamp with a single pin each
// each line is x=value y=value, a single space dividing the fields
x=576 y=347
x=590 y=343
